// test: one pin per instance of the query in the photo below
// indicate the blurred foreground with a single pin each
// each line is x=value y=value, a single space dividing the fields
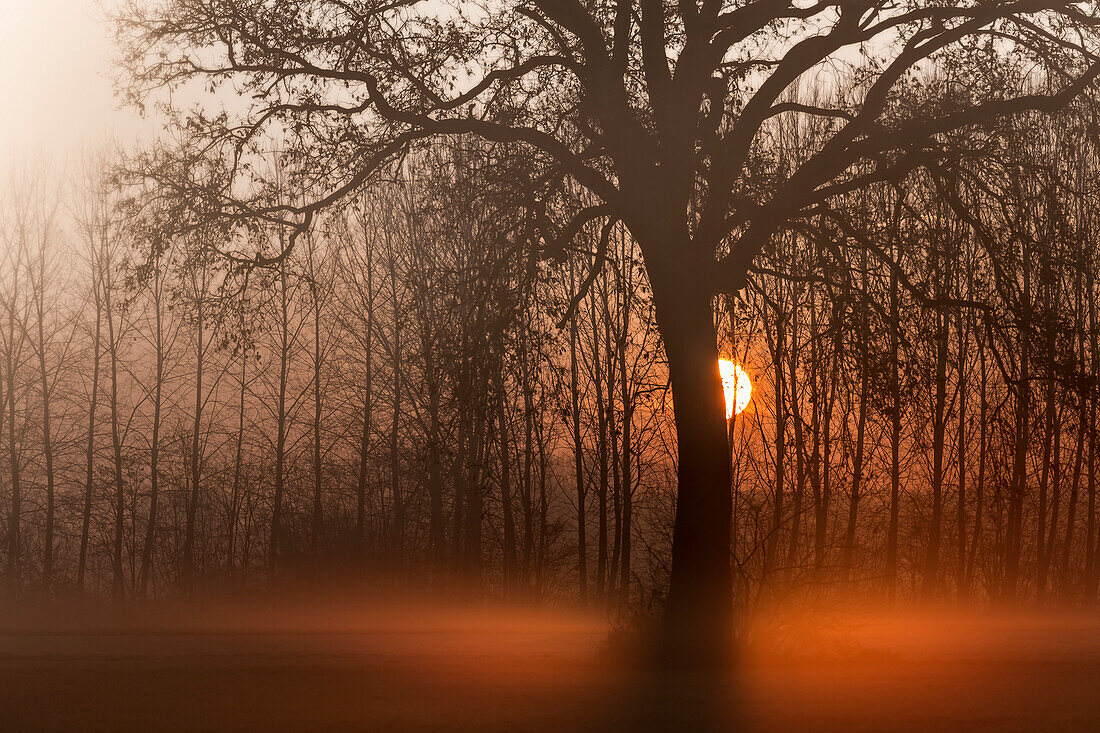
x=321 y=663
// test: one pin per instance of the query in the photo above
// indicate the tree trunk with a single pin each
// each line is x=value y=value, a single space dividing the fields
x=238 y=457
x=939 y=425
x=780 y=441
x=1047 y=557
x=526 y=497
x=47 y=434
x=821 y=521
x=506 y=484
x=275 y=542
x=1044 y=475
x=861 y=426
x=315 y=523
x=627 y=445
x=154 y=447
x=397 y=543
x=610 y=445
x=365 y=436
x=89 y=454
x=196 y=448
x=979 y=497
x=891 y=569
x=698 y=619
x=578 y=455
x=435 y=465
x=1082 y=403
x=475 y=498
x=799 y=449
x=961 y=453
x=1019 y=455
x=14 y=524
x=1090 y=521
x=117 y=583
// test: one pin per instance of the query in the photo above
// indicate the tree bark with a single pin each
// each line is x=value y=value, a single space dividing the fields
x=698 y=619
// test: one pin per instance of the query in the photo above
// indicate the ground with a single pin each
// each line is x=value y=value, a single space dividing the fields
x=413 y=669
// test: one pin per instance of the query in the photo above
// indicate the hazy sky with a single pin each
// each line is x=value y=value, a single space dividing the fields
x=55 y=79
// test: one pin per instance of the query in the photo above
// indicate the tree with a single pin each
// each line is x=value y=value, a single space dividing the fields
x=657 y=110
x=95 y=227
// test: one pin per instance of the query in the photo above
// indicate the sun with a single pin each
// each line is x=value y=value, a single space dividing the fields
x=737 y=385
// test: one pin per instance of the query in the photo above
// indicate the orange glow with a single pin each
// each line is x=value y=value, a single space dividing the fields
x=737 y=386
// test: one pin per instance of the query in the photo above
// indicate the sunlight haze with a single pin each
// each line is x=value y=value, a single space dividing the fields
x=55 y=79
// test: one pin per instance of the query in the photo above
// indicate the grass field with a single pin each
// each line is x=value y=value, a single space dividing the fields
x=412 y=669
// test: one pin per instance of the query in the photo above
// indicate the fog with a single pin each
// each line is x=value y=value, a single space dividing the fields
x=333 y=659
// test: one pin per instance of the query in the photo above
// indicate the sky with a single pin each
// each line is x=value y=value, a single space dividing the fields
x=56 y=94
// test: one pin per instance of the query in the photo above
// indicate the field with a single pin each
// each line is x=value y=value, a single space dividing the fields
x=410 y=669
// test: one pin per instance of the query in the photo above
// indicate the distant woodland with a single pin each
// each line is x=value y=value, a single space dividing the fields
x=370 y=316
x=414 y=394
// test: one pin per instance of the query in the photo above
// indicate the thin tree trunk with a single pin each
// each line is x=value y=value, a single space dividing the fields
x=315 y=524
x=817 y=409
x=47 y=434
x=1047 y=557
x=602 y=579
x=118 y=583
x=1090 y=522
x=275 y=541
x=89 y=454
x=979 y=497
x=1082 y=402
x=397 y=545
x=230 y=552
x=939 y=425
x=613 y=457
x=821 y=524
x=861 y=426
x=891 y=569
x=435 y=464
x=196 y=444
x=1019 y=461
x=627 y=444
x=154 y=447
x=526 y=497
x=365 y=436
x=1044 y=475
x=780 y=441
x=799 y=450
x=578 y=456
x=475 y=497
x=506 y=485
x=14 y=569
x=961 y=448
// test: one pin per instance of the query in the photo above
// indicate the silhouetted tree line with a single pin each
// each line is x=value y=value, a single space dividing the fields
x=412 y=394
